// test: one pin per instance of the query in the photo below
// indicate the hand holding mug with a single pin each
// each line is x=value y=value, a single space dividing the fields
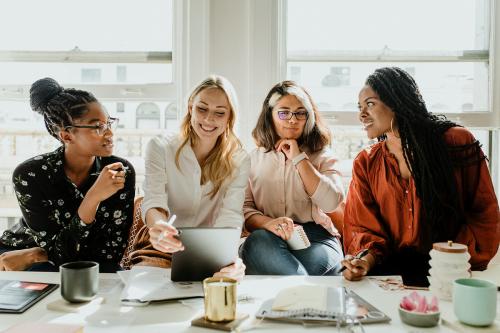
x=281 y=227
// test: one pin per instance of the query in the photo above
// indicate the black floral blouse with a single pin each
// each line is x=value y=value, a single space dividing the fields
x=49 y=202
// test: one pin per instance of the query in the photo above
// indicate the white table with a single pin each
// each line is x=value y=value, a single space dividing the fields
x=175 y=317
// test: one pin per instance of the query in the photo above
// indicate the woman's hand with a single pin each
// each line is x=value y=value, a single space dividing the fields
x=356 y=269
x=163 y=237
x=281 y=227
x=289 y=147
x=20 y=260
x=234 y=271
x=111 y=179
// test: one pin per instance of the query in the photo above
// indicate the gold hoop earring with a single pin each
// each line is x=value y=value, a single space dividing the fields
x=392 y=130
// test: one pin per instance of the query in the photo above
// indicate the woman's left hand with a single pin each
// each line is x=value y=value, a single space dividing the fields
x=289 y=147
x=234 y=271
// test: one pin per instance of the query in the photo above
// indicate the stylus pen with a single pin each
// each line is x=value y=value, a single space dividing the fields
x=169 y=222
x=360 y=255
x=99 y=172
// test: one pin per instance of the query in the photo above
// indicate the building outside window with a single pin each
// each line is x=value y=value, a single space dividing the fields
x=111 y=59
x=338 y=44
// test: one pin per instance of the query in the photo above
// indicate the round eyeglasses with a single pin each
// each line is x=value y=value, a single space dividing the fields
x=287 y=115
x=100 y=128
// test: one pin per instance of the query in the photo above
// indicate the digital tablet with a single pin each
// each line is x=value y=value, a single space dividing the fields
x=18 y=296
x=206 y=251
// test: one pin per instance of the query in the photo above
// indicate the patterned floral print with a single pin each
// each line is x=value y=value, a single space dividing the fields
x=49 y=203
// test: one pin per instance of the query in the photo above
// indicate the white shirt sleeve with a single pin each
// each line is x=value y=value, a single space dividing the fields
x=231 y=211
x=155 y=182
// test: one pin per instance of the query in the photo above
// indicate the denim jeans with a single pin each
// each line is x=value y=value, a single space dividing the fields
x=264 y=253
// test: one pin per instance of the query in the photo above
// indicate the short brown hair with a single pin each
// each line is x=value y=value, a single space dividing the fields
x=315 y=135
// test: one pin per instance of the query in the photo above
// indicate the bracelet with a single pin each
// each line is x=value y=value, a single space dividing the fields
x=297 y=159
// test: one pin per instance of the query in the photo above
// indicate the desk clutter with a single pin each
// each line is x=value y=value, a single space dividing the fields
x=312 y=303
x=267 y=301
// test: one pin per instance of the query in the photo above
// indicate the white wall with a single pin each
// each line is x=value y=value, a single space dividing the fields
x=246 y=53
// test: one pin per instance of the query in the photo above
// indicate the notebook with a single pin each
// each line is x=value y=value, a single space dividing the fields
x=299 y=239
x=18 y=296
x=145 y=284
x=320 y=304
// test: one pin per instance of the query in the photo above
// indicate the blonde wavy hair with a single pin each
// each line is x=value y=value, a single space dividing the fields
x=219 y=164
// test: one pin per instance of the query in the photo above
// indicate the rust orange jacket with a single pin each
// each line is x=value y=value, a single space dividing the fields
x=383 y=211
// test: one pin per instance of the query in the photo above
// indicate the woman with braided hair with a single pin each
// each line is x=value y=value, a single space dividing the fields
x=425 y=181
x=77 y=201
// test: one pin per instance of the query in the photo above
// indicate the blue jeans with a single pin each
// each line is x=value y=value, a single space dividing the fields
x=264 y=253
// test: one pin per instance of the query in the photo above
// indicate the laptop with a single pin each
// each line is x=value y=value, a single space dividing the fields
x=206 y=251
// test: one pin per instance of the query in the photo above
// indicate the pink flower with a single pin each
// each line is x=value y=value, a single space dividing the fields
x=418 y=303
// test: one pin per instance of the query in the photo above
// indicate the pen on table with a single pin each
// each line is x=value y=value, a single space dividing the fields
x=360 y=255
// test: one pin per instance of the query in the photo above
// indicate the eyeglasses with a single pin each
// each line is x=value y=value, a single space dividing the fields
x=100 y=129
x=287 y=115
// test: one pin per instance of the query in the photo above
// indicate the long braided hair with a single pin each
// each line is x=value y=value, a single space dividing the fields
x=430 y=160
x=59 y=106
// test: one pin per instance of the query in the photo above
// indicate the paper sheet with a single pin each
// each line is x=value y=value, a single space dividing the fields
x=301 y=297
x=145 y=284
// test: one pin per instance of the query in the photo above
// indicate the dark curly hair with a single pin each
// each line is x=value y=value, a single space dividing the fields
x=59 y=106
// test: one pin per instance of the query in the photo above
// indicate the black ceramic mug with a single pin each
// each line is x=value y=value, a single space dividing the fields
x=79 y=281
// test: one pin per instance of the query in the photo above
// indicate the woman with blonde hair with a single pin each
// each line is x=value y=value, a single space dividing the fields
x=199 y=175
x=292 y=185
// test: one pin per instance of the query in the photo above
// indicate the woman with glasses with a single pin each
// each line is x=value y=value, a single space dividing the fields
x=425 y=181
x=292 y=185
x=199 y=175
x=77 y=201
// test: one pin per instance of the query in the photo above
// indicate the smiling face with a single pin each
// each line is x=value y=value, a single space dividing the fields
x=86 y=140
x=374 y=115
x=293 y=127
x=210 y=111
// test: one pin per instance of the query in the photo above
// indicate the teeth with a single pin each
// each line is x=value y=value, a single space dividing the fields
x=208 y=129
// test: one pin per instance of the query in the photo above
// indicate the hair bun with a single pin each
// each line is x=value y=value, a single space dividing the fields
x=42 y=91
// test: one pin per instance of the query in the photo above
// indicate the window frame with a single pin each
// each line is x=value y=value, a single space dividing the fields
x=474 y=119
x=489 y=120
x=119 y=91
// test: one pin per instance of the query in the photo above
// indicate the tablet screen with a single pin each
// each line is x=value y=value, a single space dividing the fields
x=206 y=251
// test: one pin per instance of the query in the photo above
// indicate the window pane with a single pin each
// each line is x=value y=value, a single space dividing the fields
x=446 y=87
x=76 y=73
x=392 y=24
x=141 y=115
x=91 y=25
